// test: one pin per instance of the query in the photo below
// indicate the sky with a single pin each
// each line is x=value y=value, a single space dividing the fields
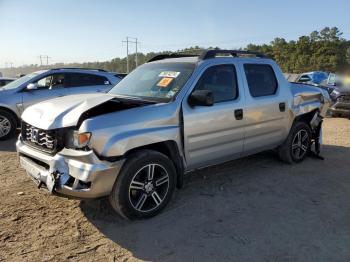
x=93 y=30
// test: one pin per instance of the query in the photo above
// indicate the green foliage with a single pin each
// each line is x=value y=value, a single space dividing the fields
x=324 y=50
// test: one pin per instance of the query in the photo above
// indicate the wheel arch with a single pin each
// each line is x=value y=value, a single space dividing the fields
x=307 y=117
x=10 y=111
x=171 y=150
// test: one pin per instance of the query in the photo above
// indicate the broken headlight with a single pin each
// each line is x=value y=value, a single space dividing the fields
x=77 y=139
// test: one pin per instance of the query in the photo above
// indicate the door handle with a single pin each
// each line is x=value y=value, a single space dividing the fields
x=239 y=114
x=282 y=106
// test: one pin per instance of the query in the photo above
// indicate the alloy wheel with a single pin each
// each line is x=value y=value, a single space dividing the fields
x=300 y=144
x=5 y=126
x=149 y=187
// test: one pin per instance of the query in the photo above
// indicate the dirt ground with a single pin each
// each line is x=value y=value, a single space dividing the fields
x=253 y=209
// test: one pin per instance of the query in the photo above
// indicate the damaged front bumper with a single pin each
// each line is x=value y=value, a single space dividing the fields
x=340 y=108
x=70 y=173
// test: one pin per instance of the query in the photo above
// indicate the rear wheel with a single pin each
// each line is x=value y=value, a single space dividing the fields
x=297 y=145
x=144 y=186
x=7 y=125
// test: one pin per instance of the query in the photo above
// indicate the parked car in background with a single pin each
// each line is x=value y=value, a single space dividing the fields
x=120 y=75
x=169 y=116
x=5 y=80
x=316 y=77
x=39 y=86
x=339 y=90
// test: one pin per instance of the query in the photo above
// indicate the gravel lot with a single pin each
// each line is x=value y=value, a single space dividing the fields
x=253 y=209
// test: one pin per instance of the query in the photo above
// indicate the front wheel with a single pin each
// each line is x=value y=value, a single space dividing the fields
x=7 y=125
x=297 y=145
x=144 y=186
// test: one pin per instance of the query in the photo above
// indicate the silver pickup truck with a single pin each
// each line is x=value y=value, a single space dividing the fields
x=172 y=115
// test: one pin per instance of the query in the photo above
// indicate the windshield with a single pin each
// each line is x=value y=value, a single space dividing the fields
x=318 y=77
x=157 y=81
x=20 y=81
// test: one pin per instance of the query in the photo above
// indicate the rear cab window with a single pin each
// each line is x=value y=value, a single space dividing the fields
x=261 y=80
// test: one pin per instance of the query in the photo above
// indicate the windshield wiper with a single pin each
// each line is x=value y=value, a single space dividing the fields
x=135 y=99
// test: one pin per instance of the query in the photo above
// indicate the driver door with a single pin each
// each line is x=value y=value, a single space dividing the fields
x=48 y=87
x=215 y=134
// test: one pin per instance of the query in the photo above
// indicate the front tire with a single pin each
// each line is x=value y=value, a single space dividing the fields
x=297 y=145
x=7 y=125
x=144 y=186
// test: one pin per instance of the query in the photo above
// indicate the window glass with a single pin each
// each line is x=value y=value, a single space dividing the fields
x=78 y=79
x=221 y=80
x=44 y=83
x=261 y=80
x=155 y=81
x=51 y=81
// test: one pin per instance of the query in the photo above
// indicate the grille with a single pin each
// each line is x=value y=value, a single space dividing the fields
x=45 y=140
x=344 y=98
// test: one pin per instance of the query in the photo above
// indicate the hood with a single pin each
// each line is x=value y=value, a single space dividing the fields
x=4 y=91
x=62 y=112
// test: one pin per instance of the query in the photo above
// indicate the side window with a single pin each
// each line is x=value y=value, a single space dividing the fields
x=98 y=80
x=261 y=80
x=332 y=79
x=51 y=81
x=304 y=79
x=221 y=80
x=58 y=81
x=44 y=83
x=78 y=79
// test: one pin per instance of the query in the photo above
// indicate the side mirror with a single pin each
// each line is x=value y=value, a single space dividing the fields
x=201 y=98
x=32 y=86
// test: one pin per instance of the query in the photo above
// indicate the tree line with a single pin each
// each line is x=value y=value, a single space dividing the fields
x=324 y=50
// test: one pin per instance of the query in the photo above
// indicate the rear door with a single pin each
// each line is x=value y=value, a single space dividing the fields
x=213 y=134
x=266 y=108
x=84 y=83
x=48 y=87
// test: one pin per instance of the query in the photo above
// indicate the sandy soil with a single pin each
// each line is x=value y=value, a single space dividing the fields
x=253 y=209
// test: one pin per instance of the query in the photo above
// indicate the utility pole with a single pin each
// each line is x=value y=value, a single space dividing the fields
x=43 y=58
x=136 y=43
x=8 y=65
x=133 y=41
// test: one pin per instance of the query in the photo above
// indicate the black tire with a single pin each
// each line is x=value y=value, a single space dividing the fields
x=10 y=125
x=287 y=152
x=125 y=199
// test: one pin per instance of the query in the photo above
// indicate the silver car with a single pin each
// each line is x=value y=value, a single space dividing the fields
x=39 y=86
x=166 y=118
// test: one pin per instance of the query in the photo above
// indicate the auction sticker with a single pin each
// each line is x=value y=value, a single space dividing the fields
x=164 y=82
x=171 y=74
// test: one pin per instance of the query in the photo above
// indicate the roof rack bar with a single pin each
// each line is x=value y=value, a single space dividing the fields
x=211 y=53
x=80 y=68
x=235 y=53
x=171 y=55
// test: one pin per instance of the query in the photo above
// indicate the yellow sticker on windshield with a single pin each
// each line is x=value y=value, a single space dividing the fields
x=164 y=82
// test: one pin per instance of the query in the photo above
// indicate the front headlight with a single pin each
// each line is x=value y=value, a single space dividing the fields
x=77 y=139
x=335 y=93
